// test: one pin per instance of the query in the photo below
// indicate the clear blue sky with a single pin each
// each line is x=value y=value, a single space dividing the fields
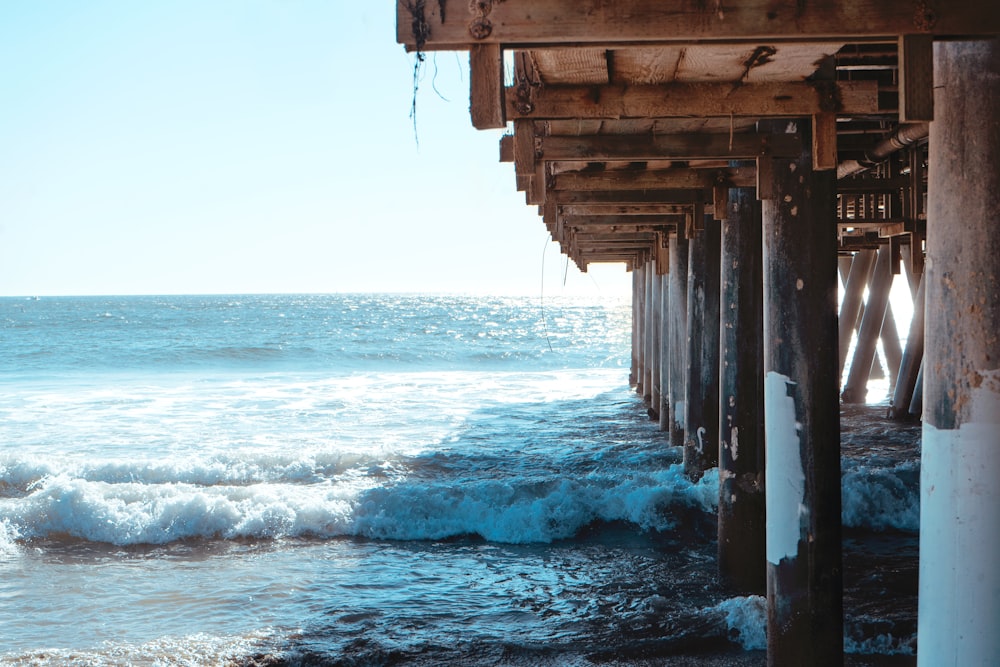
x=251 y=146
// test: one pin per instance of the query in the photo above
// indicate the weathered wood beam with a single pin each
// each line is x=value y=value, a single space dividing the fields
x=615 y=229
x=613 y=240
x=685 y=100
x=645 y=179
x=667 y=147
x=617 y=210
x=824 y=141
x=671 y=196
x=507 y=148
x=525 y=151
x=625 y=221
x=435 y=26
x=916 y=78
x=486 y=89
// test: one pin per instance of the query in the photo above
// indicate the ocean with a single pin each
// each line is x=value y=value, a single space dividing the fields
x=382 y=479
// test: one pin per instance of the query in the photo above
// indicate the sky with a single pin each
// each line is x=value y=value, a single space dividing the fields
x=252 y=146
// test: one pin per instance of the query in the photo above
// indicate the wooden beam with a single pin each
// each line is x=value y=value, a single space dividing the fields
x=486 y=89
x=685 y=100
x=646 y=179
x=626 y=221
x=671 y=196
x=916 y=78
x=668 y=147
x=624 y=209
x=824 y=141
x=524 y=147
x=429 y=27
x=615 y=229
x=507 y=148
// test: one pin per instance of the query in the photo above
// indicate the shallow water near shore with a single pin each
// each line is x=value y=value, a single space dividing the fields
x=367 y=480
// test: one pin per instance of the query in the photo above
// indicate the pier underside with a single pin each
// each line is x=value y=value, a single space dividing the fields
x=760 y=166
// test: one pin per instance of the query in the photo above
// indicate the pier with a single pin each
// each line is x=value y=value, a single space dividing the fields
x=749 y=161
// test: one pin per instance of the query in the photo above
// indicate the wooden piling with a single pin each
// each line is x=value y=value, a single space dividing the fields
x=655 y=303
x=701 y=421
x=633 y=376
x=959 y=607
x=741 y=408
x=647 y=378
x=665 y=351
x=854 y=288
x=677 y=331
x=802 y=413
x=640 y=325
x=856 y=387
x=906 y=382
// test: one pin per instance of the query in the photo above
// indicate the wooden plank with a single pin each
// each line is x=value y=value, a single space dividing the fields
x=679 y=100
x=639 y=66
x=569 y=66
x=646 y=179
x=520 y=23
x=916 y=78
x=753 y=63
x=669 y=147
x=486 y=89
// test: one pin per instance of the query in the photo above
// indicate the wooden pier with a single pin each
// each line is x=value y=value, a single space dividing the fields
x=738 y=157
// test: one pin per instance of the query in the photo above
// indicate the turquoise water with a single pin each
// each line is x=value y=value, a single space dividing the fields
x=363 y=479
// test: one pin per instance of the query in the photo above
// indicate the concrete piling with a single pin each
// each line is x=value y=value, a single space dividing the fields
x=959 y=602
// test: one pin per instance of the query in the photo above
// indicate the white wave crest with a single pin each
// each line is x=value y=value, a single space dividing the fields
x=157 y=514
x=8 y=538
x=746 y=620
x=235 y=468
x=198 y=649
x=522 y=512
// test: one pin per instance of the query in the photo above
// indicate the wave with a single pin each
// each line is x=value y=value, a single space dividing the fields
x=19 y=477
x=525 y=511
x=878 y=497
x=198 y=649
x=746 y=624
x=331 y=494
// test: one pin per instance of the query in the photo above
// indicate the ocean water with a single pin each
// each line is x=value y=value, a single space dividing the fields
x=380 y=479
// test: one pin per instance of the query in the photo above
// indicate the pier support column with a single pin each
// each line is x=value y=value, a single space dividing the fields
x=640 y=385
x=850 y=307
x=741 y=406
x=906 y=381
x=655 y=329
x=665 y=352
x=701 y=421
x=856 y=388
x=647 y=355
x=960 y=461
x=677 y=336
x=633 y=376
x=801 y=412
